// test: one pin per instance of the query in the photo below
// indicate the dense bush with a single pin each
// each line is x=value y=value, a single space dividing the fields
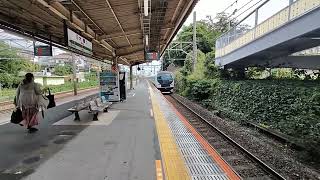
x=198 y=89
x=9 y=80
x=291 y=107
x=63 y=70
x=92 y=76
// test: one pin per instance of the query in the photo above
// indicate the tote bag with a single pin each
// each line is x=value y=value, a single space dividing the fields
x=52 y=102
x=16 y=116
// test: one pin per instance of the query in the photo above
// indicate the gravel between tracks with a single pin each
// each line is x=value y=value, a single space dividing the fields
x=276 y=155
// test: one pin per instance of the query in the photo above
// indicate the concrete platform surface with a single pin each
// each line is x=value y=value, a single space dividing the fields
x=143 y=138
x=122 y=145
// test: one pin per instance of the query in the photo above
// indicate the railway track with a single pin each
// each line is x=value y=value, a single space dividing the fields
x=247 y=165
x=8 y=106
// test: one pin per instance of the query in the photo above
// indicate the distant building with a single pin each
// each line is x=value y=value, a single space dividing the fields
x=28 y=55
x=60 y=59
x=63 y=59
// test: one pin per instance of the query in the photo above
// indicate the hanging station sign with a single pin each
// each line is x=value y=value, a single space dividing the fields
x=78 y=42
x=42 y=50
x=152 y=56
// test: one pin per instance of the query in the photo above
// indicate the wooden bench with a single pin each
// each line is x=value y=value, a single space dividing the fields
x=93 y=104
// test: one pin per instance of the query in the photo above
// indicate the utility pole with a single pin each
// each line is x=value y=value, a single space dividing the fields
x=194 y=39
x=98 y=75
x=74 y=69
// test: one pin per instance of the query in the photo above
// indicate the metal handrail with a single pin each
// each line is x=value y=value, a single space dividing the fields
x=225 y=44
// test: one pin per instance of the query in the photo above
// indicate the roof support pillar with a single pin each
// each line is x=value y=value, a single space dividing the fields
x=131 y=83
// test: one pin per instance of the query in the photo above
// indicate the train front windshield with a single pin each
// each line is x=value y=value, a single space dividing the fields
x=165 y=78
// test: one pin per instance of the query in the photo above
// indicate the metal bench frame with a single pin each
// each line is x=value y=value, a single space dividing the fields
x=86 y=104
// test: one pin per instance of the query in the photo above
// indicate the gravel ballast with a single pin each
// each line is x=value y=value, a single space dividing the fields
x=275 y=154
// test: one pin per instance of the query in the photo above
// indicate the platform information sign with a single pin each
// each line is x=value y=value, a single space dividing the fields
x=42 y=50
x=109 y=86
x=152 y=56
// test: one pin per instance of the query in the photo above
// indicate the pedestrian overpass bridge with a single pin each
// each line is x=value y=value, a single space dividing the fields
x=272 y=42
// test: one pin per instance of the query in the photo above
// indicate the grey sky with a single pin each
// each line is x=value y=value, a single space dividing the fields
x=212 y=7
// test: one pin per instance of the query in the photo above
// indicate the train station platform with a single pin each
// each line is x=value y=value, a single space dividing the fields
x=143 y=138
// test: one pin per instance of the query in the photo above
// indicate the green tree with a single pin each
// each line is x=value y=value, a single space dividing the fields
x=63 y=70
x=11 y=63
x=211 y=70
x=205 y=36
x=208 y=30
x=221 y=23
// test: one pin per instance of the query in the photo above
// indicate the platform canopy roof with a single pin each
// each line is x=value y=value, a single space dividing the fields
x=118 y=29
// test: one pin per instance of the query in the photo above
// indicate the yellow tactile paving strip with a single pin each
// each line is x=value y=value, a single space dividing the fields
x=159 y=173
x=173 y=164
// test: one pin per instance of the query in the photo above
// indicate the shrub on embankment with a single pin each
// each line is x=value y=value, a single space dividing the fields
x=289 y=106
x=286 y=105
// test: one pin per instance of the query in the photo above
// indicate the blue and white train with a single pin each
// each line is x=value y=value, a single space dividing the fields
x=164 y=81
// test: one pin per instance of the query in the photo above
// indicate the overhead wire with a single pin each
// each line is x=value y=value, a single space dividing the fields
x=247 y=9
x=265 y=1
x=230 y=6
x=237 y=10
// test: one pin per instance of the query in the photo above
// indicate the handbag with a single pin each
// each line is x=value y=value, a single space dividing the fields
x=16 y=116
x=52 y=102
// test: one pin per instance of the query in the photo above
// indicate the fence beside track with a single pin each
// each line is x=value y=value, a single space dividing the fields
x=8 y=105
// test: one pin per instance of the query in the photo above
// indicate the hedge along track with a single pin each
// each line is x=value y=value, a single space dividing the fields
x=247 y=165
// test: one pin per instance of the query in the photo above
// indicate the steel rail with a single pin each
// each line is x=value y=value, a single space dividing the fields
x=263 y=165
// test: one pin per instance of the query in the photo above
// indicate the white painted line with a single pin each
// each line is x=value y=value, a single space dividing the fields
x=105 y=119
x=151 y=113
x=5 y=122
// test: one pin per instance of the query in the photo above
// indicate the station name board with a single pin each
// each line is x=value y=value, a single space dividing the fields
x=78 y=42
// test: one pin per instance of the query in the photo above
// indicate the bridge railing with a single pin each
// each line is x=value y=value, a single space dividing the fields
x=237 y=37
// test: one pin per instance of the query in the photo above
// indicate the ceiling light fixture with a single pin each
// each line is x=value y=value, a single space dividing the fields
x=147 y=40
x=146 y=7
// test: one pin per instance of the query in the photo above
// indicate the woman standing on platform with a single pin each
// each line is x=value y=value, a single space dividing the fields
x=27 y=99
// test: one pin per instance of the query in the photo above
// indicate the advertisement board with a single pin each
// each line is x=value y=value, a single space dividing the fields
x=109 y=86
x=78 y=42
